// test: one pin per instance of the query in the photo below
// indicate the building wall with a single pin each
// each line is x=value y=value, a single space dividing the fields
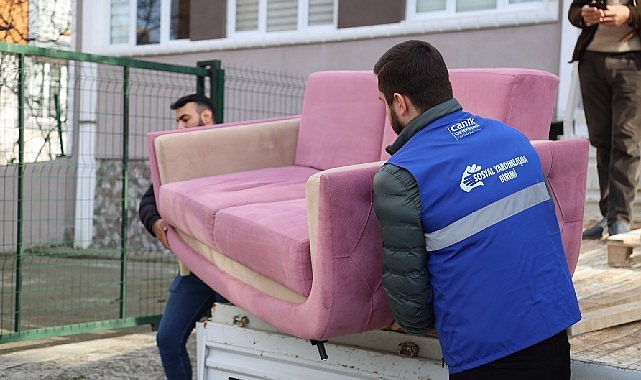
x=531 y=46
x=364 y=30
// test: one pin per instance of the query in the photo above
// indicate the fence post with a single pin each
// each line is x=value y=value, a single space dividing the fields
x=125 y=189
x=216 y=86
x=20 y=205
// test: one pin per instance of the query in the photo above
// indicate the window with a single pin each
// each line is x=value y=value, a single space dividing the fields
x=179 y=28
x=420 y=9
x=119 y=22
x=155 y=21
x=148 y=22
x=246 y=15
x=474 y=5
x=280 y=15
x=430 y=6
x=320 y=12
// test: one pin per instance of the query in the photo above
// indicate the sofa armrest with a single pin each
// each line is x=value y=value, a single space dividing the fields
x=219 y=149
x=565 y=165
x=345 y=244
x=340 y=199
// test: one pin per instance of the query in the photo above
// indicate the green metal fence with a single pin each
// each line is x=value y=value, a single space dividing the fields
x=73 y=165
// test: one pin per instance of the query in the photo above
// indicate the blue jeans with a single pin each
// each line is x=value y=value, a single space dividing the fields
x=189 y=300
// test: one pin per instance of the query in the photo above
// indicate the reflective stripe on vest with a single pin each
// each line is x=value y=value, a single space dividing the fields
x=486 y=217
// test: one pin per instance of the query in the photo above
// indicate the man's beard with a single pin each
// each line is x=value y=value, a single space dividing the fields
x=396 y=123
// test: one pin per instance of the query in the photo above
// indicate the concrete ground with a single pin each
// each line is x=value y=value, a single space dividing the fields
x=119 y=354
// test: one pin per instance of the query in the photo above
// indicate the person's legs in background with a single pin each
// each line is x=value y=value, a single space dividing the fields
x=597 y=105
x=189 y=300
x=625 y=71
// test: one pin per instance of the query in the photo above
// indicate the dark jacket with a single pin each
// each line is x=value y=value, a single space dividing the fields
x=147 y=211
x=588 y=31
x=405 y=277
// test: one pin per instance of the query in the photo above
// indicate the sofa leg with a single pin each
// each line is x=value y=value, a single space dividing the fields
x=321 y=348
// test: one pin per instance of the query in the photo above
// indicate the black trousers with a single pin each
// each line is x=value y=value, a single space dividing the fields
x=611 y=94
x=546 y=360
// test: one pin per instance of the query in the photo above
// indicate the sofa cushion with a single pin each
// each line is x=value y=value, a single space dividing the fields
x=341 y=121
x=270 y=238
x=192 y=205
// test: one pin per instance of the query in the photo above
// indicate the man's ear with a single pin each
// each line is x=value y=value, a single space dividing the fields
x=207 y=116
x=401 y=102
x=406 y=111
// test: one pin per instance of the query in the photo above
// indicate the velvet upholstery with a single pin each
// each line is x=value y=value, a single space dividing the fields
x=521 y=98
x=341 y=119
x=278 y=216
x=192 y=205
x=564 y=163
x=247 y=234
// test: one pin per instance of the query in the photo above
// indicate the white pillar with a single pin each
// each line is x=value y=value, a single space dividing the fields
x=86 y=151
x=569 y=93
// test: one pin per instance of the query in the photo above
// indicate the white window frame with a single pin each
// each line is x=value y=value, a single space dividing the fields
x=302 y=20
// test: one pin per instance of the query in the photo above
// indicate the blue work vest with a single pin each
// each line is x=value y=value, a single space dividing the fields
x=498 y=274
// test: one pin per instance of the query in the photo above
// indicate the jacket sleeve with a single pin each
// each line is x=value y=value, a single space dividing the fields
x=147 y=210
x=575 y=18
x=635 y=16
x=405 y=276
x=574 y=13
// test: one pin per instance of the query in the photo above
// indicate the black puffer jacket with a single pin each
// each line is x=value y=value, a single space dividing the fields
x=147 y=210
x=398 y=208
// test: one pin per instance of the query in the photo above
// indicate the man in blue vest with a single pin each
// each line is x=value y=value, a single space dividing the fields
x=471 y=243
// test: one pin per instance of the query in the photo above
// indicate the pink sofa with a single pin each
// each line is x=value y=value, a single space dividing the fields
x=277 y=214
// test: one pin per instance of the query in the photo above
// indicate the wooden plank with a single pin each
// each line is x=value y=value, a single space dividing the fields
x=607 y=317
x=630 y=238
x=620 y=247
x=619 y=256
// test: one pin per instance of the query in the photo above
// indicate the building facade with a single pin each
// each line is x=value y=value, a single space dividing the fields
x=302 y=36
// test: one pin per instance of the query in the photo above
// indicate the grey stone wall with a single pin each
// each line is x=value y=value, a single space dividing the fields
x=108 y=211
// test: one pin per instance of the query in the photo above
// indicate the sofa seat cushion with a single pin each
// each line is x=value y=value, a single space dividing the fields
x=270 y=238
x=192 y=205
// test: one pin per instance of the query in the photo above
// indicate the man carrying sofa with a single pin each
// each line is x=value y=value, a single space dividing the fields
x=471 y=243
x=189 y=298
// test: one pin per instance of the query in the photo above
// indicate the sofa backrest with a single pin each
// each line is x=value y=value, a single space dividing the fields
x=521 y=98
x=342 y=120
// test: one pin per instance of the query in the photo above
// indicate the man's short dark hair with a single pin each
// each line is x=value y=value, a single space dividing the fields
x=202 y=101
x=415 y=69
